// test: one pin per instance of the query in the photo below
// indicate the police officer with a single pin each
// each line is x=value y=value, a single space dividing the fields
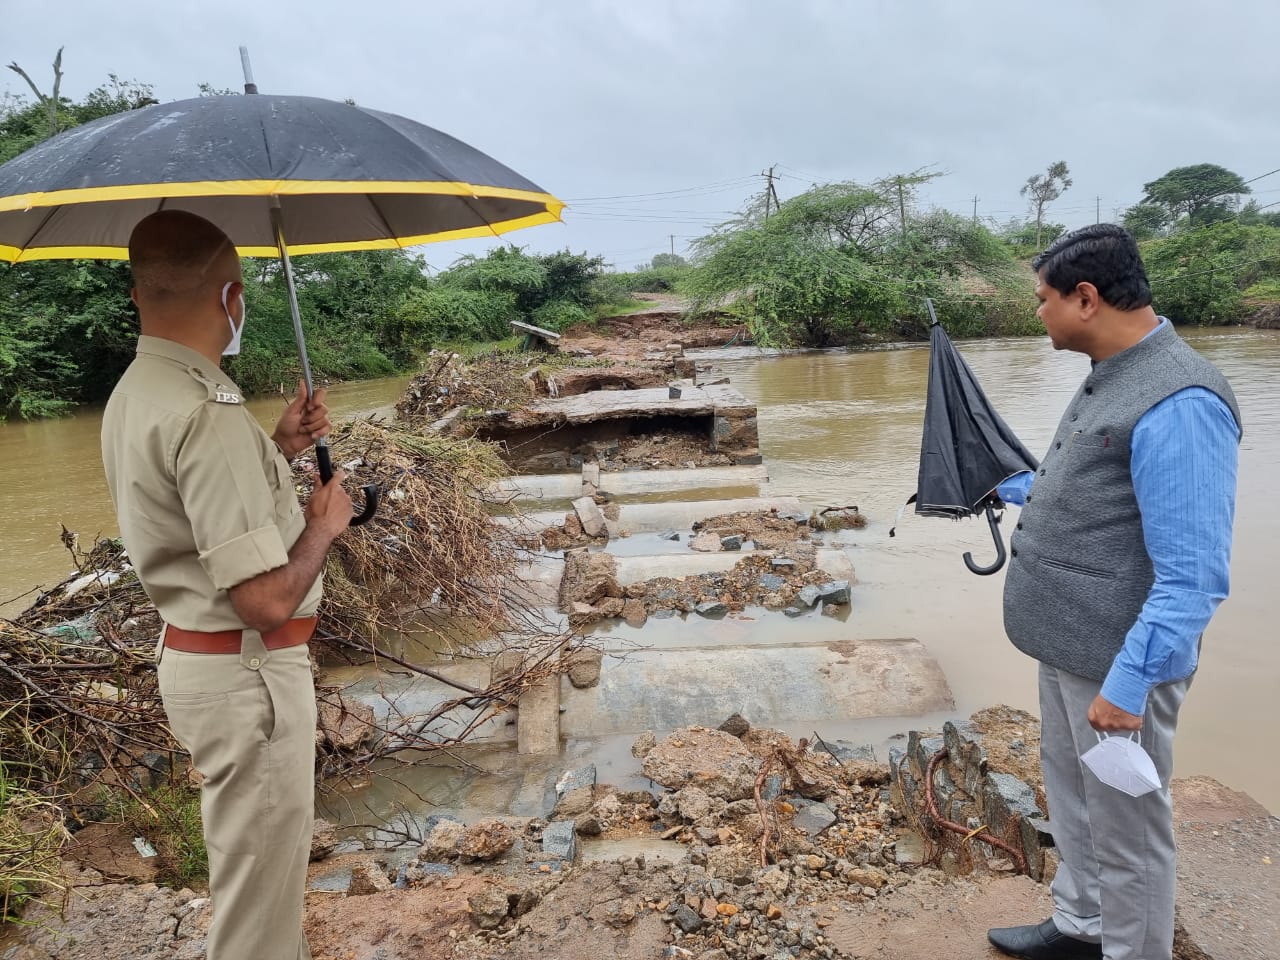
x=212 y=525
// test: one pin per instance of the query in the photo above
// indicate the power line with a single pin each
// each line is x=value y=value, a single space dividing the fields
x=719 y=185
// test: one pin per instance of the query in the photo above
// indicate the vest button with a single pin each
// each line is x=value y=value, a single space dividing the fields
x=1042 y=471
x=1075 y=417
x=1089 y=390
x=1019 y=526
x=1058 y=445
x=1014 y=551
x=1028 y=498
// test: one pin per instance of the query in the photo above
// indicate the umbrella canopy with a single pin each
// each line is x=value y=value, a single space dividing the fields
x=278 y=175
x=967 y=450
x=345 y=177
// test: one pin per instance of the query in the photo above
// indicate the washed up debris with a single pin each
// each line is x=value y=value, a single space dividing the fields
x=838 y=518
x=77 y=668
x=433 y=544
x=753 y=580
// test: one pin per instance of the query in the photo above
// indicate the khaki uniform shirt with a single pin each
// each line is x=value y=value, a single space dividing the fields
x=205 y=499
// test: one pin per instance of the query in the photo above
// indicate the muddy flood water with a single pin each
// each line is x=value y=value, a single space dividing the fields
x=844 y=428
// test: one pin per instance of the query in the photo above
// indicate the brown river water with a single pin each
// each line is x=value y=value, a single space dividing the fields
x=844 y=428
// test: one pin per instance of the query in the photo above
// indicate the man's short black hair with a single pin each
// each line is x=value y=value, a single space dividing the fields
x=1103 y=254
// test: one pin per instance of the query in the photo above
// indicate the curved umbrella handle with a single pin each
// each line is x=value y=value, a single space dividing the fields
x=325 y=466
x=992 y=520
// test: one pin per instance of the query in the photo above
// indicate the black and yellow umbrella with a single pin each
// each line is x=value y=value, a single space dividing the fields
x=279 y=175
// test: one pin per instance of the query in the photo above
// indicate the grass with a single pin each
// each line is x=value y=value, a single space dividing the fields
x=31 y=838
x=467 y=349
x=1264 y=291
x=603 y=311
x=169 y=819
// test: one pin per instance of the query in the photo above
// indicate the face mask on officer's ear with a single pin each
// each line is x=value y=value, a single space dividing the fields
x=233 y=347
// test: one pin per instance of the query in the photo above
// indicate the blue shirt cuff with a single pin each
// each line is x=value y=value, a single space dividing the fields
x=1014 y=490
x=1125 y=690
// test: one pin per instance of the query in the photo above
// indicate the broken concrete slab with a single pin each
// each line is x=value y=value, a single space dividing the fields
x=600 y=405
x=591 y=517
x=634 y=569
x=539 y=582
x=538 y=718
x=567 y=486
x=575 y=779
x=808 y=597
x=560 y=839
x=774 y=684
x=545 y=431
x=772 y=582
x=813 y=818
x=654 y=517
x=837 y=591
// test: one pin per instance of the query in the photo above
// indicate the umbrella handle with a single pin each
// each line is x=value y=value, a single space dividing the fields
x=325 y=466
x=992 y=520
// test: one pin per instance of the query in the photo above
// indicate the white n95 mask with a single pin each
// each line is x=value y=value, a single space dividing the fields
x=1120 y=762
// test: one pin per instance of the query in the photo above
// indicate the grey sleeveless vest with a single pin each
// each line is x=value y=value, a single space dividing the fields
x=1079 y=572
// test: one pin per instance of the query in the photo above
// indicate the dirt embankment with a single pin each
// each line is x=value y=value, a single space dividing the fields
x=650 y=331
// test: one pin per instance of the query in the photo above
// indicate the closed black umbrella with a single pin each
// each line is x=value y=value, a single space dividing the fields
x=279 y=175
x=967 y=450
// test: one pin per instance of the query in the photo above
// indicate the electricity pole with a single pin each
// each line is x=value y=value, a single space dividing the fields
x=975 y=211
x=902 y=207
x=769 y=191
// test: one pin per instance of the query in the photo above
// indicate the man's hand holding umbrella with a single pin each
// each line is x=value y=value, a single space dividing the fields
x=304 y=421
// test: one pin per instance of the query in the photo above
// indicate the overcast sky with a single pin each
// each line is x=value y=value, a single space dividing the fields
x=692 y=99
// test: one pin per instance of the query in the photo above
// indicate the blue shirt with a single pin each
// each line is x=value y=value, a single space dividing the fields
x=1183 y=455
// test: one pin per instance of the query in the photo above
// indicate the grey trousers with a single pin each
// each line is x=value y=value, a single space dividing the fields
x=1116 y=883
x=249 y=721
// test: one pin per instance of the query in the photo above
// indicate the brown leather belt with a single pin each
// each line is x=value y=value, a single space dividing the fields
x=291 y=634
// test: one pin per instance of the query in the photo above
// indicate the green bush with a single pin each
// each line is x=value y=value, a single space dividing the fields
x=1199 y=274
x=443 y=313
x=837 y=265
x=560 y=315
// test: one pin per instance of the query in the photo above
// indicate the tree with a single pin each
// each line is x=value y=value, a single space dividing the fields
x=834 y=265
x=1203 y=192
x=1251 y=215
x=1024 y=236
x=52 y=102
x=1043 y=189
x=668 y=260
x=1147 y=220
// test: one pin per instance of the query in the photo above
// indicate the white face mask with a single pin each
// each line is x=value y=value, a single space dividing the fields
x=233 y=347
x=1120 y=762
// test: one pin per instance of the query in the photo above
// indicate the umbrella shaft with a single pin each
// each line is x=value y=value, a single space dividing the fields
x=277 y=223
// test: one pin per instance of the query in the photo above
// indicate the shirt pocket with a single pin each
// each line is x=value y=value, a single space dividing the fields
x=280 y=477
x=1091 y=441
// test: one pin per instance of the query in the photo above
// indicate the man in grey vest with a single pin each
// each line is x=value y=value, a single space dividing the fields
x=1117 y=563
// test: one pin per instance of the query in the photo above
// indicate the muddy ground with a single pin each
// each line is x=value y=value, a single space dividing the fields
x=648 y=332
x=837 y=892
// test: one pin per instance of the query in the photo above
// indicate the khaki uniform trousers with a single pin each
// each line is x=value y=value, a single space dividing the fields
x=249 y=723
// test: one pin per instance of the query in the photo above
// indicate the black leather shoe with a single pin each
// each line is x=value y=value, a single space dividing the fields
x=1042 y=941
